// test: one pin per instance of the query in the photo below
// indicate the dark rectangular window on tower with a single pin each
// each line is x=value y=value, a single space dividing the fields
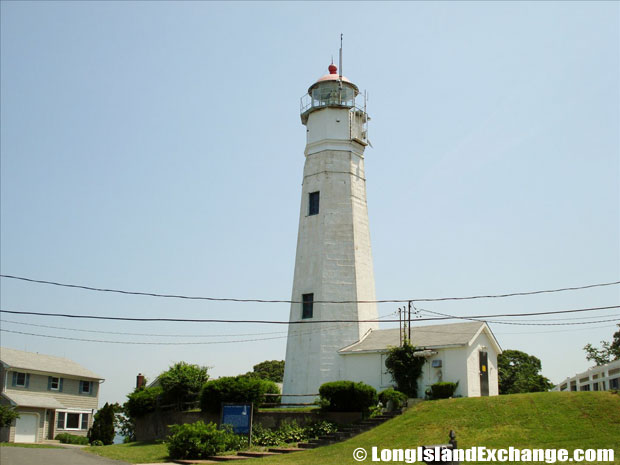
x=313 y=203
x=306 y=306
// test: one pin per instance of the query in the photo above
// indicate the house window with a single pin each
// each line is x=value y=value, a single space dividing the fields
x=20 y=379
x=86 y=387
x=54 y=383
x=306 y=306
x=72 y=421
x=313 y=203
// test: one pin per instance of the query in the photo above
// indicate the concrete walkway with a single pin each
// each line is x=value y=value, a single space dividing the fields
x=65 y=456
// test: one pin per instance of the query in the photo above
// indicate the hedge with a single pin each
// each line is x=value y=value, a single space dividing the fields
x=347 y=396
x=399 y=399
x=236 y=389
x=443 y=390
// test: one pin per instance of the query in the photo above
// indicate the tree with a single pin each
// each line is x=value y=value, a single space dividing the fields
x=182 y=383
x=405 y=367
x=237 y=389
x=519 y=372
x=7 y=415
x=608 y=353
x=272 y=370
x=104 y=424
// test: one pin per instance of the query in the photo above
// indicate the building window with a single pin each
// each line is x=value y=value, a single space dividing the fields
x=72 y=421
x=306 y=306
x=313 y=203
x=613 y=383
x=86 y=387
x=21 y=379
x=54 y=383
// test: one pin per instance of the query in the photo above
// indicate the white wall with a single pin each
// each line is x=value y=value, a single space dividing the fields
x=333 y=259
x=458 y=364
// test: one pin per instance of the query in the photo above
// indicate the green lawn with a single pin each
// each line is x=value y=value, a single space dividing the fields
x=568 y=420
x=133 y=452
x=31 y=446
x=542 y=420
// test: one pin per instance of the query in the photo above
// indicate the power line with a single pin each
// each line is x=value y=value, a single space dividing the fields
x=140 y=343
x=308 y=321
x=535 y=323
x=154 y=343
x=122 y=333
x=226 y=299
x=550 y=324
x=557 y=330
x=422 y=329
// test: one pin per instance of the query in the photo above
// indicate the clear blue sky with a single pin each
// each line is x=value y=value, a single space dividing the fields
x=158 y=147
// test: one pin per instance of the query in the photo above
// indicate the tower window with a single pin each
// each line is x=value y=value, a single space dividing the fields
x=313 y=203
x=306 y=306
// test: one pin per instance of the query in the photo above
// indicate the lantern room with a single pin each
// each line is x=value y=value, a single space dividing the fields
x=337 y=92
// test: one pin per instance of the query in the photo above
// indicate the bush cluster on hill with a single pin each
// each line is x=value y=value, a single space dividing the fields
x=236 y=389
x=347 y=396
x=290 y=432
x=442 y=390
x=398 y=399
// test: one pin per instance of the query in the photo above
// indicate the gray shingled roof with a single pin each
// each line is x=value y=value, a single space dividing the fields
x=30 y=400
x=44 y=363
x=421 y=336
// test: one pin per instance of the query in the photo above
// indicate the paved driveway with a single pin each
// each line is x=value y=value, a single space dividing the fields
x=25 y=456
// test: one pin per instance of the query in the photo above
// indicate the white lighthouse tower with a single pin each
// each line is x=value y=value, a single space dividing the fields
x=334 y=259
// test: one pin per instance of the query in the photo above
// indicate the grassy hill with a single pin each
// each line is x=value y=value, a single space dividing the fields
x=571 y=420
x=550 y=420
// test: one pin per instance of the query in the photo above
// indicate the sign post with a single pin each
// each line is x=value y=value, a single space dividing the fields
x=239 y=416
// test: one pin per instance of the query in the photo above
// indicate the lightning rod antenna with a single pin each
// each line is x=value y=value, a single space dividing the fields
x=340 y=64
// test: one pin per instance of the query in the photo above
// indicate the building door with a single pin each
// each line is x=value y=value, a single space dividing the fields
x=26 y=427
x=484 y=374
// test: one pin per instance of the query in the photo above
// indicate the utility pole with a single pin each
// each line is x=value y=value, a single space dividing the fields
x=400 y=329
x=409 y=324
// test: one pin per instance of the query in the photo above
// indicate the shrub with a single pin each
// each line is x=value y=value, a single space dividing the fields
x=272 y=370
x=235 y=389
x=67 y=438
x=199 y=440
x=96 y=442
x=143 y=401
x=262 y=436
x=443 y=390
x=320 y=428
x=7 y=415
x=103 y=429
x=405 y=367
x=182 y=383
x=399 y=399
x=347 y=396
x=290 y=432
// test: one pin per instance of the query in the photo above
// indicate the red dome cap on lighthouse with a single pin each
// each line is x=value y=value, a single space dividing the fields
x=333 y=76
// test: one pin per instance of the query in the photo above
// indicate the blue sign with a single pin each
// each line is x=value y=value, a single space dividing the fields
x=239 y=416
